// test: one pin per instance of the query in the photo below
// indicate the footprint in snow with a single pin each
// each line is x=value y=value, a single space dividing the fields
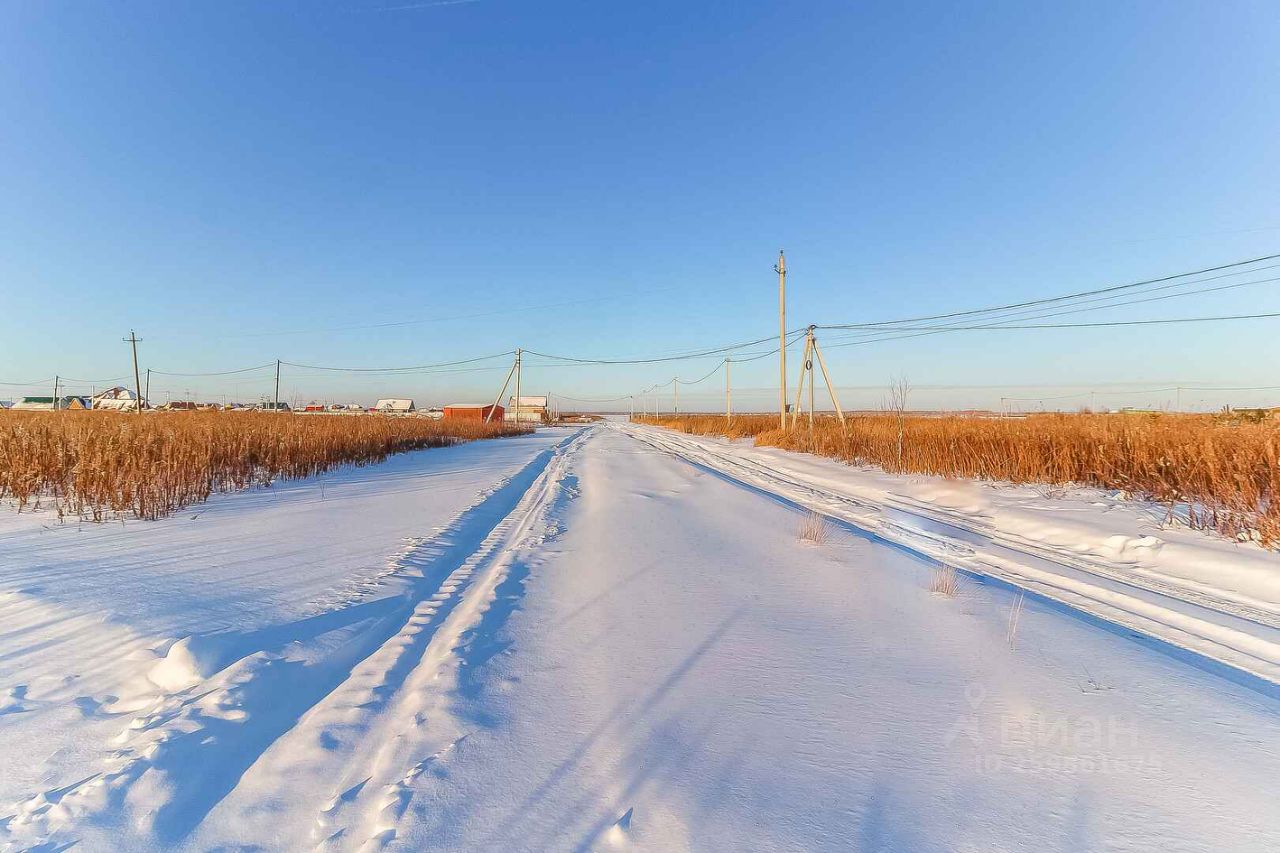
x=13 y=701
x=620 y=833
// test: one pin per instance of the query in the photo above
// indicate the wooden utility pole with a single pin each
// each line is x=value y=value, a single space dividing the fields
x=148 y=390
x=137 y=378
x=55 y=393
x=675 y=383
x=781 y=269
x=519 y=353
x=795 y=410
x=728 y=398
x=277 y=406
x=498 y=399
x=808 y=368
x=632 y=416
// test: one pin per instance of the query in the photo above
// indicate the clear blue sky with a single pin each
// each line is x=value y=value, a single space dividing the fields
x=242 y=182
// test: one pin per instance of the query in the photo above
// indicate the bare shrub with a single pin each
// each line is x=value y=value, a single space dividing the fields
x=815 y=528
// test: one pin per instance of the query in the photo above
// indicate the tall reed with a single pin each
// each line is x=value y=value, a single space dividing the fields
x=97 y=465
x=1215 y=473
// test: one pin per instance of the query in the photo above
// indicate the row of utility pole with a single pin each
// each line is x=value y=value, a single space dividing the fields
x=811 y=352
x=133 y=340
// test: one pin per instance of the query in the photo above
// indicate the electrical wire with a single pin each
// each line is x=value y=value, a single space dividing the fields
x=399 y=369
x=1063 y=298
x=215 y=373
x=594 y=399
x=713 y=372
x=35 y=384
x=681 y=357
x=868 y=333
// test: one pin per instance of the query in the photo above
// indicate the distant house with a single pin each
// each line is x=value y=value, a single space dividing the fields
x=528 y=410
x=272 y=407
x=472 y=412
x=314 y=407
x=6 y=404
x=435 y=413
x=45 y=404
x=395 y=406
x=180 y=406
x=117 y=399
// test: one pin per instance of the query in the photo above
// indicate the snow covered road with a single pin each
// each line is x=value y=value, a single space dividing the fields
x=579 y=640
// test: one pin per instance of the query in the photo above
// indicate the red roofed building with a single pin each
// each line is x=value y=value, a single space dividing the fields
x=473 y=412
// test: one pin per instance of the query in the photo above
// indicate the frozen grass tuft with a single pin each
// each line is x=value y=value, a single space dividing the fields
x=945 y=581
x=1014 y=616
x=815 y=529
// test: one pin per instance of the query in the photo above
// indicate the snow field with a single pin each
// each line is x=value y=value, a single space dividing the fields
x=618 y=638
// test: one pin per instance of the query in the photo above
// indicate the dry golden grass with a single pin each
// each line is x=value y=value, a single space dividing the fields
x=1217 y=474
x=101 y=464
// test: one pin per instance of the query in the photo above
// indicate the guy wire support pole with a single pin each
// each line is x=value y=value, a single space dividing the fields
x=781 y=269
x=808 y=368
x=728 y=398
x=137 y=380
x=826 y=377
x=516 y=417
x=505 y=383
x=795 y=411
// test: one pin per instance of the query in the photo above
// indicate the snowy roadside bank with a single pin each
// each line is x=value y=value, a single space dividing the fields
x=87 y=610
x=590 y=642
x=1098 y=554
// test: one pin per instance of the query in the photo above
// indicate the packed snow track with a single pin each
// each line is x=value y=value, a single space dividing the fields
x=614 y=638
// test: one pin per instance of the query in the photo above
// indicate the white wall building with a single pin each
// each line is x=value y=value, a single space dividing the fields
x=395 y=406
x=525 y=409
x=119 y=399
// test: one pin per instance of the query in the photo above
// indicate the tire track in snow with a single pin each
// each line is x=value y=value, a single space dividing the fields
x=1235 y=639
x=390 y=723
x=420 y=723
x=318 y=685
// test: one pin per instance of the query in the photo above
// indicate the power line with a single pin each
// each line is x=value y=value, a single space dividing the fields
x=1063 y=298
x=593 y=399
x=868 y=333
x=713 y=372
x=681 y=357
x=400 y=369
x=217 y=373
x=1099 y=324
x=38 y=382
